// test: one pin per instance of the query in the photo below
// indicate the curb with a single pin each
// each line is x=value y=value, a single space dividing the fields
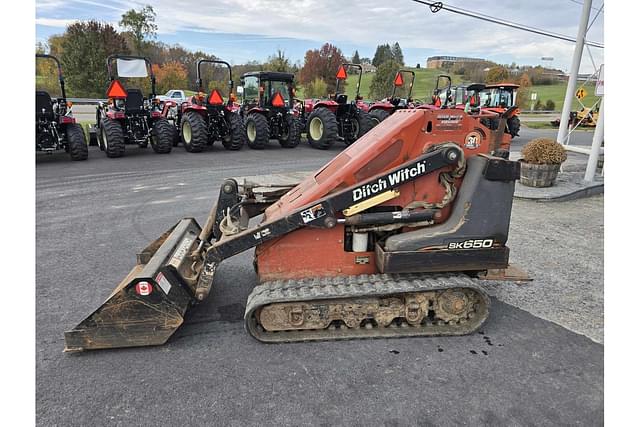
x=587 y=190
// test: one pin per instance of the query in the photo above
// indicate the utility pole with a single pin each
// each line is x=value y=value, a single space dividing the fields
x=573 y=76
x=598 y=137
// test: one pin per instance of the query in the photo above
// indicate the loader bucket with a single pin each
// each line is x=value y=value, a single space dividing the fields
x=149 y=305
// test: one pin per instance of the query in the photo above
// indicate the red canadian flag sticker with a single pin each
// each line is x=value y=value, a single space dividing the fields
x=144 y=288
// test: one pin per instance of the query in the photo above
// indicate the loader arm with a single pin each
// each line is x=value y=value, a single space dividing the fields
x=325 y=212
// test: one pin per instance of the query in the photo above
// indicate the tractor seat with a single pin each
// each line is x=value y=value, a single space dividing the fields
x=44 y=105
x=341 y=98
x=135 y=101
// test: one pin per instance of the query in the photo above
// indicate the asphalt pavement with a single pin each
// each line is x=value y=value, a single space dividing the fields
x=537 y=361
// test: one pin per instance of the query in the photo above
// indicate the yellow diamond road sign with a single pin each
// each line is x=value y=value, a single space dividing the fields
x=581 y=93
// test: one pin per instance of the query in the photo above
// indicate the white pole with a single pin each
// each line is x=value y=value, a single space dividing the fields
x=573 y=76
x=598 y=137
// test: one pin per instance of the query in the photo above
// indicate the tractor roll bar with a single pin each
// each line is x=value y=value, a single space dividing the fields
x=111 y=58
x=437 y=90
x=60 y=78
x=212 y=61
x=349 y=65
x=413 y=78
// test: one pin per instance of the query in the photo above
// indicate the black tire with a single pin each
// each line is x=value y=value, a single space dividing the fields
x=257 y=131
x=196 y=136
x=513 y=126
x=235 y=139
x=291 y=137
x=76 y=142
x=175 y=136
x=162 y=136
x=322 y=128
x=93 y=136
x=378 y=115
x=365 y=124
x=112 y=138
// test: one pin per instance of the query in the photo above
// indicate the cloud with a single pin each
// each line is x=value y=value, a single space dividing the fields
x=54 y=22
x=366 y=23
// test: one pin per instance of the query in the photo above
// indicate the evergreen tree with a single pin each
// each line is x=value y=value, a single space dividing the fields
x=382 y=55
x=397 y=53
x=355 y=59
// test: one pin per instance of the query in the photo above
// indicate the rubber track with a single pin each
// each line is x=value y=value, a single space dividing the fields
x=375 y=285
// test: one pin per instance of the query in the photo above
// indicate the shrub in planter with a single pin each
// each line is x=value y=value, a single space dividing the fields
x=540 y=162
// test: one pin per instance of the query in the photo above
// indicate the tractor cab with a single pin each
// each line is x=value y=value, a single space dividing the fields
x=267 y=89
x=268 y=109
x=468 y=97
x=501 y=96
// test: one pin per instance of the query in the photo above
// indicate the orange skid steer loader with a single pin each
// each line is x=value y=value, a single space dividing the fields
x=408 y=219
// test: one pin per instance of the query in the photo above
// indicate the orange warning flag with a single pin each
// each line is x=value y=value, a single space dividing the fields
x=398 y=81
x=342 y=73
x=116 y=90
x=215 y=98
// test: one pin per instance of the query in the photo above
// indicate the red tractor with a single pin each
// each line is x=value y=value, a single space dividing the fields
x=128 y=117
x=468 y=98
x=56 y=128
x=499 y=98
x=268 y=109
x=382 y=109
x=334 y=118
x=202 y=119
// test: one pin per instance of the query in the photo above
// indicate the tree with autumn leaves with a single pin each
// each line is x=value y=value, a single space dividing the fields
x=171 y=75
x=321 y=65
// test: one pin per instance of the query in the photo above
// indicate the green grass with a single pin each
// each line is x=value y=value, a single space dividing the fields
x=548 y=125
x=556 y=94
x=426 y=80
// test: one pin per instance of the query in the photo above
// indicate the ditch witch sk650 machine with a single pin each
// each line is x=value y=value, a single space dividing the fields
x=388 y=239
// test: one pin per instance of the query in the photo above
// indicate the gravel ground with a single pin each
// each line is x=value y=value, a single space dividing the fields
x=562 y=246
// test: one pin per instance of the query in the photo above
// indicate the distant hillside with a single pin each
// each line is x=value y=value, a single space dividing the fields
x=426 y=80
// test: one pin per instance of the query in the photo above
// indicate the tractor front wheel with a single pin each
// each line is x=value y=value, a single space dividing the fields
x=162 y=136
x=112 y=137
x=378 y=115
x=76 y=142
x=194 y=132
x=235 y=139
x=513 y=126
x=363 y=124
x=290 y=137
x=257 y=130
x=322 y=128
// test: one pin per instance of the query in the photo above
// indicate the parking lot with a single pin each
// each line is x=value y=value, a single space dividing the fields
x=537 y=361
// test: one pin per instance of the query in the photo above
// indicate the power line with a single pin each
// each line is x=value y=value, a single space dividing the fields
x=437 y=6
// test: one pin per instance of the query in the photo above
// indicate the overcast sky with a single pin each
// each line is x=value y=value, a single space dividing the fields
x=244 y=30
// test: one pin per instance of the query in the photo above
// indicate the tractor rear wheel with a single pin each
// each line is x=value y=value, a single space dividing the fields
x=175 y=135
x=513 y=125
x=112 y=138
x=378 y=115
x=322 y=128
x=363 y=123
x=235 y=139
x=162 y=136
x=257 y=131
x=290 y=138
x=76 y=143
x=194 y=132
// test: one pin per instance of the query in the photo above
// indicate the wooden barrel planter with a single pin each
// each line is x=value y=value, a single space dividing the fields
x=533 y=175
